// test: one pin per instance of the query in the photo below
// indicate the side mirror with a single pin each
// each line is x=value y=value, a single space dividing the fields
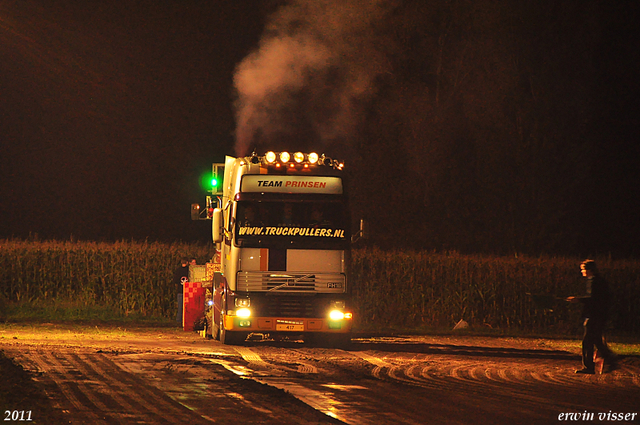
x=200 y=213
x=218 y=233
x=195 y=211
x=363 y=233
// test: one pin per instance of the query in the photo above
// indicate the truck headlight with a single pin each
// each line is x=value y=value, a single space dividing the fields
x=243 y=313
x=336 y=315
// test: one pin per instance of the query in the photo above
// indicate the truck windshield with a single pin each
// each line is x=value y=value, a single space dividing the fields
x=312 y=224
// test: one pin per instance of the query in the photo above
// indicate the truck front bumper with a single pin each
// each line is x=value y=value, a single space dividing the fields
x=288 y=324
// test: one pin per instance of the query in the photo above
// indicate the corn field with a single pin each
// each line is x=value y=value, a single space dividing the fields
x=125 y=276
x=438 y=289
x=391 y=288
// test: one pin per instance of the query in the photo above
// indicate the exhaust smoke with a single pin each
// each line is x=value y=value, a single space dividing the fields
x=315 y=69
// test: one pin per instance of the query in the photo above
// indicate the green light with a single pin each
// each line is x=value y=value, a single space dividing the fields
x=209 y=182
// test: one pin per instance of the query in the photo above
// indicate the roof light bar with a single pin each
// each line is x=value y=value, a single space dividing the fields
x=295 y=160
x=285 y=157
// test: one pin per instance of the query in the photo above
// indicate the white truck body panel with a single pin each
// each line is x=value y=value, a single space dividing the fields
x=283 y=249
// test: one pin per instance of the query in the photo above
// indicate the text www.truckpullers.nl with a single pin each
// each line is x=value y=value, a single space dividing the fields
x=291 y=231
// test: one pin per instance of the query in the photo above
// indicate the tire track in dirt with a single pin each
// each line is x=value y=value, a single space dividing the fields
x=164 y=388
x=254 y=360
x=52 y=369
x=374 y=383
x=96 y=390
x=246 y=397
x=106 y=372
x=510 y=380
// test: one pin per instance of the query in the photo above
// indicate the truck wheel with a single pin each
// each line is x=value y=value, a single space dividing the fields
x=212 y=328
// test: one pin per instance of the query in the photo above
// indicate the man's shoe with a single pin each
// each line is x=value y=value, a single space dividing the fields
x=586 y=371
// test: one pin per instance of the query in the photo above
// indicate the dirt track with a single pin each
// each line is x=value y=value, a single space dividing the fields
x=166 y=376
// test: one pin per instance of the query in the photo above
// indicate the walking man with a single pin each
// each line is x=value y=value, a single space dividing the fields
x=596 y=301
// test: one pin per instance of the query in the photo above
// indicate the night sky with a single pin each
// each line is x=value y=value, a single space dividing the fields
x=110 y=111
x=489 y=129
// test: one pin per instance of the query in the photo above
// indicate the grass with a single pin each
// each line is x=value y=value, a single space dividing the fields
x=84 y=334
x=74 y=312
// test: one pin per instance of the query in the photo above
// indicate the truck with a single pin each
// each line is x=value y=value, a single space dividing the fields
x=282 y=231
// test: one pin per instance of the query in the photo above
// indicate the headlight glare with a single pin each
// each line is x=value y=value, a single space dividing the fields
x=243 y=313
x=336 y=315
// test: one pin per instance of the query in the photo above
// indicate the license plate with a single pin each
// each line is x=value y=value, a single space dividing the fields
x=290 y=327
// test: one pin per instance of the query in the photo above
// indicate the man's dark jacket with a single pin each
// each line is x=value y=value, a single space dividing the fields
x=597 y=299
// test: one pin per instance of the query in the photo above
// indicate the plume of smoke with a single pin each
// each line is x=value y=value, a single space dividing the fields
x=316 y=67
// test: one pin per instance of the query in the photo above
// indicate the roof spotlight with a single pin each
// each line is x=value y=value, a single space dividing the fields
x=298 y=157
x=313 y=157
x=285 y=157
x=270 y=157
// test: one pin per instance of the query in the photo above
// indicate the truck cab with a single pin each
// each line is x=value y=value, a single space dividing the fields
x=282 y=231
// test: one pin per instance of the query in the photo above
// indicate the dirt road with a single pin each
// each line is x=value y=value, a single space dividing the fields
x=168 y=376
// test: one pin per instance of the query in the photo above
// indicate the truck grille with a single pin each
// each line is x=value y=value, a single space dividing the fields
x=298 y=282
x=284 y=306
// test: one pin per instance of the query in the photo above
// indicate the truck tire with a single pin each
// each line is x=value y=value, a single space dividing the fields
x=213 y=327
x=215 y=332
